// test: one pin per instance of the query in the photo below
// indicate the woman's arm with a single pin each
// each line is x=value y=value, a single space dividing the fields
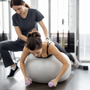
x=22 y=65
x=44 y=29
x=53 y=50
x=19 y=33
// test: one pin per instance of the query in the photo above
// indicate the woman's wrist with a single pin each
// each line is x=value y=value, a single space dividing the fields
x=26 y=78
x=47 y=38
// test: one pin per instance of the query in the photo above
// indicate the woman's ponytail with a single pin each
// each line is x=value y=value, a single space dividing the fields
x=26 y=5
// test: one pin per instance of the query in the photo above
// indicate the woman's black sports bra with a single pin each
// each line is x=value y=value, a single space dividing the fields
x=48 y=43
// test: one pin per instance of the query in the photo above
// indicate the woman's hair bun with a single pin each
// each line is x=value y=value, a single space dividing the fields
x=29 y=35
x=33 y=33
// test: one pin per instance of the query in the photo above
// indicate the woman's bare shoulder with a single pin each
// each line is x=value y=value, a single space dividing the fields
x=26 y=49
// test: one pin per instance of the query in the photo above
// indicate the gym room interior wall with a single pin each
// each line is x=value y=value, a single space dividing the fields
x=58 y=10
x=4 y=20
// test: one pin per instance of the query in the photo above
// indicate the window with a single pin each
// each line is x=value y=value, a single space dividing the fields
x=84 y=33
x=4 y=22
x=59 y=12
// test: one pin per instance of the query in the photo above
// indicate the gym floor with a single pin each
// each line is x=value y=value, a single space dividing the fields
x=78 y=80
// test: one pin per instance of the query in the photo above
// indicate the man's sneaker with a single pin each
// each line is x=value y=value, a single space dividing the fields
x=13 y=72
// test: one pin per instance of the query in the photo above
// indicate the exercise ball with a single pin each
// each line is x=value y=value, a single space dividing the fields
x=43 y=70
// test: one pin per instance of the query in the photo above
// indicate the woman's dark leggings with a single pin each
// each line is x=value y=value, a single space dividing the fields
x=6 y=46
x=61 y=49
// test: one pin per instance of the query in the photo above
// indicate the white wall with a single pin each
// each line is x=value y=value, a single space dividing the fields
x=59 y=11
x=43 y=8
x=4 y=20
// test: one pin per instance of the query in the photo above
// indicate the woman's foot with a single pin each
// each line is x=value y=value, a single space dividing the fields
x=76 y=63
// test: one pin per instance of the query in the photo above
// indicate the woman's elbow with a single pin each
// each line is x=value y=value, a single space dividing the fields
x=21 y=62
x=66 y=65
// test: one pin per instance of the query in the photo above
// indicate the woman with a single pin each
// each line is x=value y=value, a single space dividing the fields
x=24 y=20
x=44 y=49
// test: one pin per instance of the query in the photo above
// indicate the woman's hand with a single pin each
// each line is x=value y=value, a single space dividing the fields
x=54 y=81
x=27 y=79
